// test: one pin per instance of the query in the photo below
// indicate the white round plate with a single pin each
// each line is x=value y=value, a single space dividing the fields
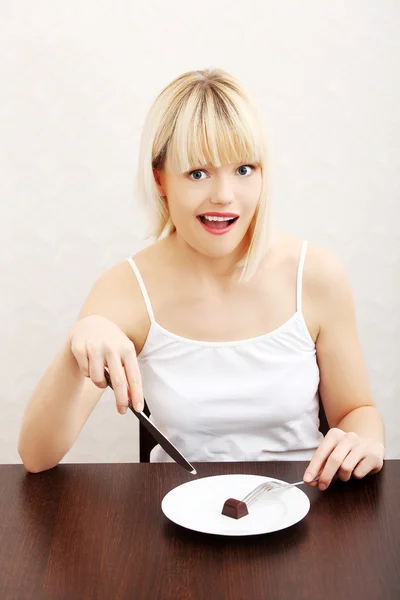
x=197 y=505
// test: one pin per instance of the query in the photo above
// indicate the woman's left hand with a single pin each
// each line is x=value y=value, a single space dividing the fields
x=346 y=454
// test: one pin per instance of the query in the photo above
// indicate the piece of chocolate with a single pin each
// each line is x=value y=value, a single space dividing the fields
x=235 y=509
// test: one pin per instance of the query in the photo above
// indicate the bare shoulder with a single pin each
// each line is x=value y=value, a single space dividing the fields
x=321 y=265
x=325 y=281
x=111 y=296
x=324 y=268
x=116 y=295
x=327 y=284
x=326 y=275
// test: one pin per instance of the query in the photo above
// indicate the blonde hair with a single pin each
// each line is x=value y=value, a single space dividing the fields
x=204 y=118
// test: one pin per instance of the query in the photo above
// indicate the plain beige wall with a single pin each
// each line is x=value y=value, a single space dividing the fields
x=79 y=78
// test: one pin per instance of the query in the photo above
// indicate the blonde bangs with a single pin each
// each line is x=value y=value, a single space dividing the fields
x=209 y=130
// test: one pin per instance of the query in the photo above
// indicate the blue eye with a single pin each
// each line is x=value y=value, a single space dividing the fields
x=246 y=167
x=198 y=171
x=196 y=174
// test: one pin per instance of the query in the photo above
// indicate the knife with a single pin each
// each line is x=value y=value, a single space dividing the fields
x=157 y=435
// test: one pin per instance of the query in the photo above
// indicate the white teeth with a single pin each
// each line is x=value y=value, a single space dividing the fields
x=217 y=218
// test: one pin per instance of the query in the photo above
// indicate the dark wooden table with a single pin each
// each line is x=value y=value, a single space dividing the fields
x=97 y=532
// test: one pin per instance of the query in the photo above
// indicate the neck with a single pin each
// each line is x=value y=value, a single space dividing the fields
x=207 y=268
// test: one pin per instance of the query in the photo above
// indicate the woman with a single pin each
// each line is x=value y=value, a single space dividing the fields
x=230 y=329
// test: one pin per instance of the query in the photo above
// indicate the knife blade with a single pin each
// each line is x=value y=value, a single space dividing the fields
x=157 y=435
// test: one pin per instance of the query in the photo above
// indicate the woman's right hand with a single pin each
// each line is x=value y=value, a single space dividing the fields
x=97 y=342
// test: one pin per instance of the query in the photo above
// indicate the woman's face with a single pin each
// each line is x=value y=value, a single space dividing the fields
x=210 y=207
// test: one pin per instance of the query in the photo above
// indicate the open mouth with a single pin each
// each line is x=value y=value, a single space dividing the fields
x=217 y=224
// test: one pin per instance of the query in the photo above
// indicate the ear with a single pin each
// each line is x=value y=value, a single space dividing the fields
x=158 y=179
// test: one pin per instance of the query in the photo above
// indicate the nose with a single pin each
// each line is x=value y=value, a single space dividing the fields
x=222 y=192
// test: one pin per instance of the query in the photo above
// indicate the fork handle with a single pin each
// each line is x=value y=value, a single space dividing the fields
x=302 y=482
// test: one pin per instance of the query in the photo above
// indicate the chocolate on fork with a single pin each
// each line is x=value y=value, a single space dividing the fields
x=236 y=509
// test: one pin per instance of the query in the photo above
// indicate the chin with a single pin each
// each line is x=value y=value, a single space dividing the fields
x=215 y=247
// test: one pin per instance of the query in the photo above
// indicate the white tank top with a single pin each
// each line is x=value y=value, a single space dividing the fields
x=248 y=400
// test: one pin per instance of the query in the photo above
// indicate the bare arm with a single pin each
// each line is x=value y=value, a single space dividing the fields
x=355 y=444
x=344 y=386
x=64 y=398
x=56 y=412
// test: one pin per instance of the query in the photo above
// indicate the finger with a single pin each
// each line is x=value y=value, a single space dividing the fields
x=82 y=359
x=322 y=453
x=118 y=380
x=96 y=367
x=134 y=379
x=350 y=462
x=314 y=483
x=366 y=465
x=334 y=462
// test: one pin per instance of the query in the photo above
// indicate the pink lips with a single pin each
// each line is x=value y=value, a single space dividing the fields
x=219 y=230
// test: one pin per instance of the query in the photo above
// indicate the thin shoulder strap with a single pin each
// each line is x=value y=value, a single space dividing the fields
x=142 y=287
x=300 y=276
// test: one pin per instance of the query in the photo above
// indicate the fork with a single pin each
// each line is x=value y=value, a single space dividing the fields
x=269 y=486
